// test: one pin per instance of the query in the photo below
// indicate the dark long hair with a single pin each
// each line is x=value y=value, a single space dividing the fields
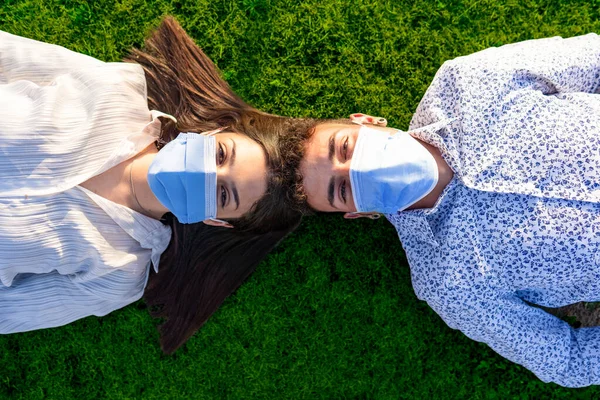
x=205 y=264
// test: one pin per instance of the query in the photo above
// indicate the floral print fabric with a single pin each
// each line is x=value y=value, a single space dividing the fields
x=519 y=224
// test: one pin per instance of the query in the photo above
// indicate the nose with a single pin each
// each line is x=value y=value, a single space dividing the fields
x=223 y=173
x=341 y=167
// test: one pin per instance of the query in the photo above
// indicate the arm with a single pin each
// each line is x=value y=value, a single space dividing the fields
x=37 y=301
x=552 y=65
x=528 y=336
x=477 y=83
x=38 y=62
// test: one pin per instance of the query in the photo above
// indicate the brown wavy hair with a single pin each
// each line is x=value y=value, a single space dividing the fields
x=205 y=264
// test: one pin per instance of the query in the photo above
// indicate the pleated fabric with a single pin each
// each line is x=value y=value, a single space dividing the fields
x=65 y=252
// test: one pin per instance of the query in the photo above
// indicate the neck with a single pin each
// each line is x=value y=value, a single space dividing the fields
x=144 y=201
x=445 y=175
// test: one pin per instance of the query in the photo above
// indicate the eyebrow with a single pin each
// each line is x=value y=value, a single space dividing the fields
x=236 y=197
x=331 y=147
x=232 y=152
x=330 y=189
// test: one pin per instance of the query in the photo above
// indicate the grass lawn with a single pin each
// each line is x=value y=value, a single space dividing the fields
x=331 y=313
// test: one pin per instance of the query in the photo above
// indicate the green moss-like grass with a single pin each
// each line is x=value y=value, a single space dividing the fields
x=331 y=313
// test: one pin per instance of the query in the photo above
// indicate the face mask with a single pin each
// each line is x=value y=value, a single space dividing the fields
x=183 y=177
x=389 y=173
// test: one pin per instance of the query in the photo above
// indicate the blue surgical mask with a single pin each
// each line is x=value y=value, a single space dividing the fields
x=389 y=173
x=183 y=177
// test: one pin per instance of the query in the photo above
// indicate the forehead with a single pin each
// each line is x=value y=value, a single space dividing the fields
x=249 y=172
x=250 y=158
x=250 y=147
x=318 y=144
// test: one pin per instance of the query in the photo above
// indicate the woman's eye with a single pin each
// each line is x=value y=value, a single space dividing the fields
x=223 y=196
x=345 y=149
x=220 y=155
x=343 y=191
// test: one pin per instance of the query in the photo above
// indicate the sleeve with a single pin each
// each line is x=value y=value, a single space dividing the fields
x=37 y=301
x=64 y=116
x=38 y=62
x=477 y=82
x=542 y=343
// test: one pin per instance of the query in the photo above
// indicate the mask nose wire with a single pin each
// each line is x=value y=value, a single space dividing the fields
x=209 y=134
x=214 y=132
x=218 y=220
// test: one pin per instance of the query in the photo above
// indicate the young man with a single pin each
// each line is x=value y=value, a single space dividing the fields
x=495 y=194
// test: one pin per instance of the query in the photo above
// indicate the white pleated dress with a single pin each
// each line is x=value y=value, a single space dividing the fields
x=65 y=252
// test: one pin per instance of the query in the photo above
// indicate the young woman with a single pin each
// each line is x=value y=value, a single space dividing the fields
x=90 y=197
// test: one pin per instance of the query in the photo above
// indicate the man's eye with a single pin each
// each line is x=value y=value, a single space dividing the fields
x=220 y=155
x=223 y=196
x=343 y=191
x=345 y=149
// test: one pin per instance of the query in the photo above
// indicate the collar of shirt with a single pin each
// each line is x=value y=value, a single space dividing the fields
x=433 y=134
x=150 y=233
x=415 y=222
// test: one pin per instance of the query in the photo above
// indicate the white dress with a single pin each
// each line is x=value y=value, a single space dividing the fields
x=65 y=252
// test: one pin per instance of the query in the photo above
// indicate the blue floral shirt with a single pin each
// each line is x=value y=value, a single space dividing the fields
x=519 y=223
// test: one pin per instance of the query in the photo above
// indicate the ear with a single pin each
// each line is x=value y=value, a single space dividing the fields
x=355 y=215
x=212 y=222
x=367 y=119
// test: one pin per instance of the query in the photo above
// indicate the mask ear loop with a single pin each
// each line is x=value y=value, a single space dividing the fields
x=214 y=132
x=156 y=114
x=219 y=221
x=209 y=133
x=368 y=215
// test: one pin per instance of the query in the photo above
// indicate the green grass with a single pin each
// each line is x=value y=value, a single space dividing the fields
x=331 y=313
